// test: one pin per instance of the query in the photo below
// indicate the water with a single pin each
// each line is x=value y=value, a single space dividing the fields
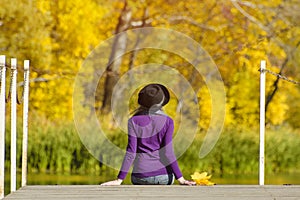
x=273 y=179
x=63 y=179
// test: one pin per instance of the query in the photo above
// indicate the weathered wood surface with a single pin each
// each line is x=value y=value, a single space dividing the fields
x=218 y=192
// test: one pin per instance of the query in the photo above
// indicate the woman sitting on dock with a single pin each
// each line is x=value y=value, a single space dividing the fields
x=149 y=147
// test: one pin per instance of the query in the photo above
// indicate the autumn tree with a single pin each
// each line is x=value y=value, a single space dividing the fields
x=57 y=36
x=238 y=35
x=24 y=32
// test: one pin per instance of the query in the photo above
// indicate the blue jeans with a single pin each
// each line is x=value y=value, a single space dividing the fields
x=166 y=179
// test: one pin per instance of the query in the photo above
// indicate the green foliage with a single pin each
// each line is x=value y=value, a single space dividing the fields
x=238 y=153
x=56 y=148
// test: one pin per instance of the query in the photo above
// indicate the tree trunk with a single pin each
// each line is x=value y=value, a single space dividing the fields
x=118 y=49
x=272 y=93
x=275 y=86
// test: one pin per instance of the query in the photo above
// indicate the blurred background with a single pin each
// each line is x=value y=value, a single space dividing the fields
x=57 y=35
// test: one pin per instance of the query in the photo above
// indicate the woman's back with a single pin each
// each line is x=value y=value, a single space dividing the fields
x=149 y=131
x=153 y=137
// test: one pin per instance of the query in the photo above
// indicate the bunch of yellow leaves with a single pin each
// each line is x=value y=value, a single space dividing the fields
x=202 y=179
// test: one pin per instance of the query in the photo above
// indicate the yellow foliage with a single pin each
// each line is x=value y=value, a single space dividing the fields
x=58 y=35
x=75 y=25
x=205 y=103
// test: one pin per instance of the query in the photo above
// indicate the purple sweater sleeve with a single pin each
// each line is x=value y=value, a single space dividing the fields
x=130 y=152
x=168 y=151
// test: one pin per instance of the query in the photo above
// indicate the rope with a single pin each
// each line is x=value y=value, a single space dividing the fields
x=19 y=101
x=2 y=66
x=8 y=98
x=280 y=76
x=10 y=87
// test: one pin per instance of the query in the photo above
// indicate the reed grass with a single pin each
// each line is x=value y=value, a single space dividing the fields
x=57 y=148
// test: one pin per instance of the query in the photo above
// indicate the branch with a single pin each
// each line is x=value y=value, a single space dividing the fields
x=190 y=20
x=275 y=85
x=271 y=33
x=41 y=79
x=248 y=16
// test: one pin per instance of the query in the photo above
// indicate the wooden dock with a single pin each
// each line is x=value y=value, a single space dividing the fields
x=217 y=192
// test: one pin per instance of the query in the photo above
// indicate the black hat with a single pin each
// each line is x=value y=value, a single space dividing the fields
x=153 y=94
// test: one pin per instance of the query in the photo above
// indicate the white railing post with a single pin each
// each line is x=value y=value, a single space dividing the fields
x=2 y=124
x=262 y=123
x=13 y=120
x=25 y=122
x=13 y=108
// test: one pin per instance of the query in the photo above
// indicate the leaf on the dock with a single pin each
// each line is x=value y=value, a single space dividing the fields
x=202 y=178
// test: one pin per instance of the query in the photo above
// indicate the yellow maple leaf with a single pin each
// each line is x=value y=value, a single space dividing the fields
x=202 y=178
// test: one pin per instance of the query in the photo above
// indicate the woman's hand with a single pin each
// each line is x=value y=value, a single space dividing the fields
x=114 y=182
x=182 y=181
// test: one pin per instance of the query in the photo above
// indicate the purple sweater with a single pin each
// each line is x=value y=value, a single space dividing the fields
x=150 y=148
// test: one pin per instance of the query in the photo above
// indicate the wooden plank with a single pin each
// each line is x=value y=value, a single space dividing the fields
x=218 y=192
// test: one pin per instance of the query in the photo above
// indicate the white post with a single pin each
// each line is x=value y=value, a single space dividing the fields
x=262 y=123
x=25 y=122
x=2 y=124
x=13 y=100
